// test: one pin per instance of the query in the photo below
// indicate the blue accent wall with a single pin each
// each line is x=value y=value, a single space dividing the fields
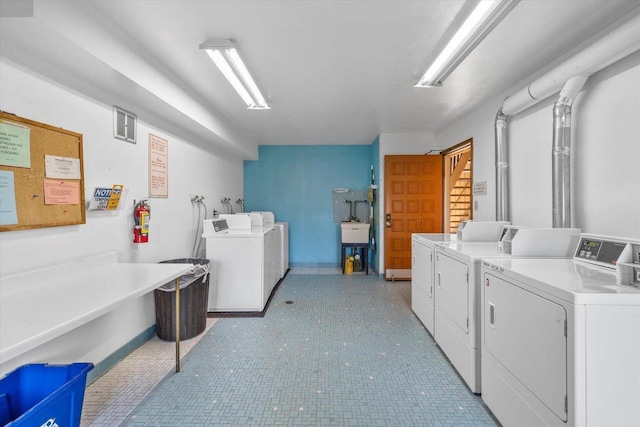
x=296 y=183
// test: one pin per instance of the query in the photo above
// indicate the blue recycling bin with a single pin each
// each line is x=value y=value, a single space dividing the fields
x=43 y=395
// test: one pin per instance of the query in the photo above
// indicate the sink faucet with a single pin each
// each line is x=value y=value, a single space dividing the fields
x=355 y=204
x=351 y=217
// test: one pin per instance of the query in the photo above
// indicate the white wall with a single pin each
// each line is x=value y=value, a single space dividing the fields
x=394 y=144
x=605 y=155
x=109 y=161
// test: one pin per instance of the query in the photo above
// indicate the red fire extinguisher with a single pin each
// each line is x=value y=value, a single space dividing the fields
x=141 y=213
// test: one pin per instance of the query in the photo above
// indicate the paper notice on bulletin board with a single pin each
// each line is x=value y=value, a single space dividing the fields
x=8 y=212
x=61 y=167
x=61 y=192
x=15 y=145
x=158 y=166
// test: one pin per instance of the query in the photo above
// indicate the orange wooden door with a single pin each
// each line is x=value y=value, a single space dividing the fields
x=412 y=204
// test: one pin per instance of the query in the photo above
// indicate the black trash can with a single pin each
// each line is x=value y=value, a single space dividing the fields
x=194 y=295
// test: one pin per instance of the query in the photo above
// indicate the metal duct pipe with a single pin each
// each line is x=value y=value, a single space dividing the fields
x=502 y=168
x=619 y=43
x=561 y=154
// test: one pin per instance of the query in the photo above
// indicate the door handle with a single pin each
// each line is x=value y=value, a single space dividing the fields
x=387 y=222
x=438 y=279
x=492 y=315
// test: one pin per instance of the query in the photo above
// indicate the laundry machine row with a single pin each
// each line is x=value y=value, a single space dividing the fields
x=249 y=255
x=423 y=259
x=458 y=288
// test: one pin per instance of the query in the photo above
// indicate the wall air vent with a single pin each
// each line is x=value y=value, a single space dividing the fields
x=124 y=125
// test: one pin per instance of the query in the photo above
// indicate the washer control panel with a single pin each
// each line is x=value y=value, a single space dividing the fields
x=220 y=226
x=605 y=252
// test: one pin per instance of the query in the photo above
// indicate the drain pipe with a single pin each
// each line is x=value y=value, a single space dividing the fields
x=502 y=168
x=561 y=155
x=621 y=42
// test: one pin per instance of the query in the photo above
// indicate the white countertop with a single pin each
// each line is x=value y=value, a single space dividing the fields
x=38 y=306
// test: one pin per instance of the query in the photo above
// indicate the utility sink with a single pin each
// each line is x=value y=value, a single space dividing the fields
x=355 y=232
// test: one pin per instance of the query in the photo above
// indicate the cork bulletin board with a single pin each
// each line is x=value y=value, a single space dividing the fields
x=41 y=175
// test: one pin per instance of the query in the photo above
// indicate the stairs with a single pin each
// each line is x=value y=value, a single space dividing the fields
x=459 y=191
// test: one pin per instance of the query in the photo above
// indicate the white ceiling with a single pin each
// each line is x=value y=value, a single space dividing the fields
x=334 y=72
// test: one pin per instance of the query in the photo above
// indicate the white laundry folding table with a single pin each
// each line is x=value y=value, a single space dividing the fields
x=40 y=305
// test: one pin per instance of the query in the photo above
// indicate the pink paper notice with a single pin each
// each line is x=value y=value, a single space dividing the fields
x=61 y=192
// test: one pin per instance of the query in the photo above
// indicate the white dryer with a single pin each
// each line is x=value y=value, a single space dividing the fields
x=561 y=337
x=422 y=260
x=457 y=289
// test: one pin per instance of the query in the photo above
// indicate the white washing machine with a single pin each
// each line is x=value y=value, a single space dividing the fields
x=457 y=289
x=269 y=219
x=245 y=263
x=422 y=260
x=284 y=256
x=561 y=337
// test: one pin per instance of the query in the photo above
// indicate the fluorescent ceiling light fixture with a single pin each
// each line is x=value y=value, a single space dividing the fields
x=225 y=55
x=482 y=20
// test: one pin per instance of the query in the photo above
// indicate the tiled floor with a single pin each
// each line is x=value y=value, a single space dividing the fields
x=322 y=270
x=331 y=350
x=315 y=270
x=112 y=397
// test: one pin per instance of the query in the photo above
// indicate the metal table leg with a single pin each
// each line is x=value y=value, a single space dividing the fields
x=178 y=324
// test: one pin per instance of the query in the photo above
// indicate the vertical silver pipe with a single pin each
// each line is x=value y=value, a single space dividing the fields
x=620 y=42
x=561 y=154
x=502 y=168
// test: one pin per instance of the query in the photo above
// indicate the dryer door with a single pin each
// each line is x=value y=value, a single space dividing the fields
x=422 y=274
x=526 y=334
x=452 y=290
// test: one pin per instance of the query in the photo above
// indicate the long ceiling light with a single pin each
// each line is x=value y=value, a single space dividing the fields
x=225 y=55
x=482 y=20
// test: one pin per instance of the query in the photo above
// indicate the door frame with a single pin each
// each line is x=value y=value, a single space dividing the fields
x=446 y=184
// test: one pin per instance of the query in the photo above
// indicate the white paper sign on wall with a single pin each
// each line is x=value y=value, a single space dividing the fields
x=480 y=188
x=158 y=166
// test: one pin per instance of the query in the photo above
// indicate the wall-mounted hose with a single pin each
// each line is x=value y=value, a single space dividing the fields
x=227 y=203
x=197 y=243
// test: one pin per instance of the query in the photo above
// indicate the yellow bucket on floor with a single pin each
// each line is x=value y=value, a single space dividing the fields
x=348 y=266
